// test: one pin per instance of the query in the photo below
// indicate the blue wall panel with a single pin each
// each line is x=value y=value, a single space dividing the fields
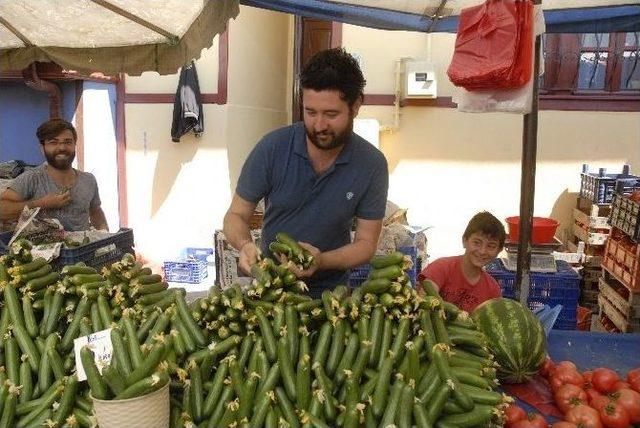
x=22 y=110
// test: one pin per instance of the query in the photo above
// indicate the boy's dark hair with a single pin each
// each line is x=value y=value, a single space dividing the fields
x=334 y=69
x=486 y=223
x=51 y=128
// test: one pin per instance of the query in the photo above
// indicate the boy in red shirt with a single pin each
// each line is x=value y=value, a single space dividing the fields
x=461 y=279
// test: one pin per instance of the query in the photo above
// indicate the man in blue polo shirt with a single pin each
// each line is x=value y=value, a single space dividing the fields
x=315 y=177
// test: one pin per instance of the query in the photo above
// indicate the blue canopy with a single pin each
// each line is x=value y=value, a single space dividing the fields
x=569 y=16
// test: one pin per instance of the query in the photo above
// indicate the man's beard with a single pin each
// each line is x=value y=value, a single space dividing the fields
x=60 y=164
x=338 y=140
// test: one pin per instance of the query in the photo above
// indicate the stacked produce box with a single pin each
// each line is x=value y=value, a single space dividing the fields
x=619 y=298
x=592 y=231
x=265 y=357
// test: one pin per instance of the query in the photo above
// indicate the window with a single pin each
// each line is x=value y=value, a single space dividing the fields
x=591 y=64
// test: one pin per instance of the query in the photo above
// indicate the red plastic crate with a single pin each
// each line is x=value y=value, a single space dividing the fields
x=622 y=260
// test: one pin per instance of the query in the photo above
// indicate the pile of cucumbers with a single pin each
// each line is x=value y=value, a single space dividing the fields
x=378 y=355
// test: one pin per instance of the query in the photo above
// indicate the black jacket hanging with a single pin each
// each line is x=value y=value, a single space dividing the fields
x=187 y=107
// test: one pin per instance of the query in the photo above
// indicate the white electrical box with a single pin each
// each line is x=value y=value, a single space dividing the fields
x=419 y=79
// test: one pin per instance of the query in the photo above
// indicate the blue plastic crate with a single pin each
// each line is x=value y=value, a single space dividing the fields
x=192 y=271
x=359 y=274
x=558 y=288
x=96 y=254
x=196 y=253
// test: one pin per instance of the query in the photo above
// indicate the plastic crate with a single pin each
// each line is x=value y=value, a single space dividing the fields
x=625 y=215
x=560 y=288
x=96 y=254
x=359 y=274
x=196 y=253
x=192 y=271
x=600 y=187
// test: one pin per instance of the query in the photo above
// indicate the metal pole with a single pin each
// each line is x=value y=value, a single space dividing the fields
x=528 y=183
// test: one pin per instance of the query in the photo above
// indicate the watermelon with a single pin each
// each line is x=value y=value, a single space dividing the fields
x=514 y=336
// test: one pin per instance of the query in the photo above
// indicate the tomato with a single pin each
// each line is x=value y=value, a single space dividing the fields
x=633 y=377
x=566 y=364
x=588 y=377
x=604 y=379
x=583 y=415
x=547 y=367
x=597 y=400
x=630 y=401
x=613 y=415
x=514 y=414
x=564 y=424
x=568 y=396
x=621 y=385
x=533 y=420
x=564 y=375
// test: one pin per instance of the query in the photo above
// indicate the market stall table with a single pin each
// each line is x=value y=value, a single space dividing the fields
x=588 y=350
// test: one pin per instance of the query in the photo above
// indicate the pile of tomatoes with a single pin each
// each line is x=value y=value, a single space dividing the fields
x=591 y=399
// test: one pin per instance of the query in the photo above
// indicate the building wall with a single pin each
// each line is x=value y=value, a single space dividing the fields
x=445 y=165
x=178 y=192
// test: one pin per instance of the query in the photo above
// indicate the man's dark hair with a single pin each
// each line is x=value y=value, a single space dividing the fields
x=334 y=69
x=486 y=223
x=52 y=128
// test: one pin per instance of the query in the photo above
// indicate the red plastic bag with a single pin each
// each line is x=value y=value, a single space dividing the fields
x=493 y=46
x=537 y=393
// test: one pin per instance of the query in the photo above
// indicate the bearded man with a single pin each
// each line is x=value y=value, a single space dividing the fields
x=316 y=176
x=61 y=191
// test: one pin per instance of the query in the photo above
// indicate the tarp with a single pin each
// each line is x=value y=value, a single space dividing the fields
x=110 y=36
x=561 y=16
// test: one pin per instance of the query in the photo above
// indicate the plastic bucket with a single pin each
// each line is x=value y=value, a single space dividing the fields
x=543 y=230
x=148 y=411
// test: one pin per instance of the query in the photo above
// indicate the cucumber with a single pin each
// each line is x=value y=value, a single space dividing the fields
x=287 y=408
x=72 y=270
x=379 y=401
x=376 y=285
x=380 y=262
x=142 y=387
x=394 y=402
x=148 y=365
x=398 y=346
x=293 y=337
x=67 y=401
x=147 y=325
x=12 y=358
x=286 y=368
x=55 y=361
x=322 y=345
x=390 y=272
x=35 y=264
x=36 y=284
x=479 y=416
x=216 y=390
x=405 y=409
x=268 y=338
x=98 y=387
x=375 y=335
x=73 y=329
x=337 y=347
x=26 y=383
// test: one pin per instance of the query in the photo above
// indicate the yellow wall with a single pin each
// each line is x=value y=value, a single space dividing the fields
x=178 y=192
x=446 y=165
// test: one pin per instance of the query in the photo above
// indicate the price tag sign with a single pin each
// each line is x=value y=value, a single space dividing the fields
x=100 y=344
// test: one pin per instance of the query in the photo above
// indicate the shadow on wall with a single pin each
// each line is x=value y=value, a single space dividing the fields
x=170 y=160
x=562 y=211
